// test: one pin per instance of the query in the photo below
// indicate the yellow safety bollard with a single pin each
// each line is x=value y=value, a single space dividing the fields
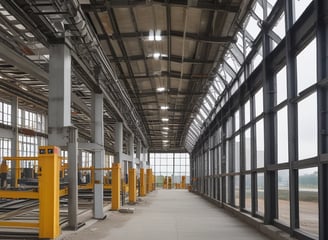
x=132 y=185
x=149 y=180
x=116 y=186
x=142 y=182
x=154 y=182
x=48 y=173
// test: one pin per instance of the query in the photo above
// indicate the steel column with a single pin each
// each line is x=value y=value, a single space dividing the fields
x=73 y=179
x=322 y=74
x=14 y=141
x=292 y=119
x=99 y=156
x=270 y=196
x=59 y=105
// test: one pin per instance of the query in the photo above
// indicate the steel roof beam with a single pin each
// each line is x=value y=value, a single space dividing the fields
x=215 y=6
x=169 y=92
x=177 y=59
x=188 y=36
x=173 y=74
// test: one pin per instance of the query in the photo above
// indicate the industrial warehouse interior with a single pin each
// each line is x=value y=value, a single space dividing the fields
x=164 y=119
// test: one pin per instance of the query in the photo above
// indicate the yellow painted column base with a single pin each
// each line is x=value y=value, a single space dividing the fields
x=132 y=185
x=116 y=186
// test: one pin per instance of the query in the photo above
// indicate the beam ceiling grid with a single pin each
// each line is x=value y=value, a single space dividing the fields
x=135 y=89
x=183 y=19
x=202 y=52
x=149 y=20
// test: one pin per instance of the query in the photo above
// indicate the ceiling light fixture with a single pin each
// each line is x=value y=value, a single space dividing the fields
x=164 y=107
x=158 y=36
x=165 y=141
x=165 y=128
x=156 y=55
x=160 y=89
x=154 y=35
x=165 y=119
x=151 y=35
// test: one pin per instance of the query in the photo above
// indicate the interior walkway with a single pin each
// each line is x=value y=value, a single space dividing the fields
x=168 y=215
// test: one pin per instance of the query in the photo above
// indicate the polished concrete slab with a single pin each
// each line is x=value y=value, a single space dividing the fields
x=168 y=215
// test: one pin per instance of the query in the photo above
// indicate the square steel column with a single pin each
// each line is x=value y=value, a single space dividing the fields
x=99 y=156
x=59 y=117
x=14 y=143
x=131 y=151
x=118 y=144
x=59 y=106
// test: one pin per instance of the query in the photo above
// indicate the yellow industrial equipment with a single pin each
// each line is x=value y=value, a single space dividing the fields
x=165 y=183
x=116 y=186
x=169 y=182
x=142 y=182
x=149 y=180
x=48 y=193
x=48 y=173
x=132 y=185
x=183 y=182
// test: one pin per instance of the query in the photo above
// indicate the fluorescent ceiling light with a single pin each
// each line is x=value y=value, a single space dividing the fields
x=165 y=141
x=154 y=35
x=165 y=133
x=165 y=119
x=151 y=35
x=164 y=107
x=158 y=36
x=165 y=128
x=156 y=55
x=160 y=89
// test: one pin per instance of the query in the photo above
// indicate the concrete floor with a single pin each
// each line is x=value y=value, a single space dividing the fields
x=168 y=215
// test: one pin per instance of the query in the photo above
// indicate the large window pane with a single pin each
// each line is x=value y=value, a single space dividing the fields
x=307 y=127
x=247 y=110
x=308 y=200
x=282 y=135
x=259 y=144
x=236 y=191
x=281 y=84
x=259 y=102
x=248 y=152
x=237 y=120
x=237 y=153
x=260 y=193
x=283 y=196
x=248 y=192
x=307 y=66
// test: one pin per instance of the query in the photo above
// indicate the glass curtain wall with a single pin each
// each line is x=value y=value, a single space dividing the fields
x=269 y=128
x=173 y=165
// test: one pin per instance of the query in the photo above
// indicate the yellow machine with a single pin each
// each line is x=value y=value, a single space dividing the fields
x=48 y=173
x=48 y=193
x=183 y=182
x=169 y=182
